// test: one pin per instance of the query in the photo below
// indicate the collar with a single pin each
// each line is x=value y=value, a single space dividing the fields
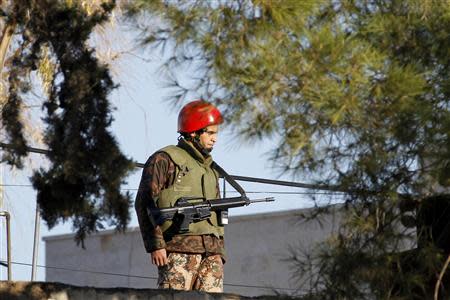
x=194 y=152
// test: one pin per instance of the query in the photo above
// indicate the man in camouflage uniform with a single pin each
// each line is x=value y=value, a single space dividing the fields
x=190 y=260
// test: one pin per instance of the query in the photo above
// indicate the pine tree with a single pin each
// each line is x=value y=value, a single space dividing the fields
x=357 y=93
x=87 y=167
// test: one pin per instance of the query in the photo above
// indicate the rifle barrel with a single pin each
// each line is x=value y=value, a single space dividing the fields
x=269 y=199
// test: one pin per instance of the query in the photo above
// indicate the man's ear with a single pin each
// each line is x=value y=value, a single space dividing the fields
x=192 y=134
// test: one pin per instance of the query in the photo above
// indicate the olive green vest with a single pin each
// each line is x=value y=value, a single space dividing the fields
x=193 y=177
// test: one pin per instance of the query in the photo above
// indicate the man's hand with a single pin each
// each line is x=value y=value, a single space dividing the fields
x=159 y=257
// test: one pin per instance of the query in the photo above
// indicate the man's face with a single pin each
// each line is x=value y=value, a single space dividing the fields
x=209 y=137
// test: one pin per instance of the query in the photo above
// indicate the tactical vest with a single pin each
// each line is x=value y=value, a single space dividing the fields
x=192 y=179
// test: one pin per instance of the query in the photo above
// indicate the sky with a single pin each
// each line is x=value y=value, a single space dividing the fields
x=144 y=122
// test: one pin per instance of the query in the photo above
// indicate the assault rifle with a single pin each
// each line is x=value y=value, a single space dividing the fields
x=187 y=211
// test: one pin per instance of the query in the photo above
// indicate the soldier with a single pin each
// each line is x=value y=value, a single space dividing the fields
x=192 y=260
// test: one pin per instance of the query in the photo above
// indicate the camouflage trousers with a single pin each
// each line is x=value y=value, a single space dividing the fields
x=192 y=272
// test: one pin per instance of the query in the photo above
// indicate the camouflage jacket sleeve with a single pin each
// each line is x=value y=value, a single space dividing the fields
x=158 y=174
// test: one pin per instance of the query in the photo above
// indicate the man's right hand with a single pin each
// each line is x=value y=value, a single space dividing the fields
x=159 y=257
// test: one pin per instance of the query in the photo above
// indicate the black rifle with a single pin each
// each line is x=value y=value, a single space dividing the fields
x=185 y=211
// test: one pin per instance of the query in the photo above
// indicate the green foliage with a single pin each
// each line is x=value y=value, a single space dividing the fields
x=358 y=93
x=86 y=165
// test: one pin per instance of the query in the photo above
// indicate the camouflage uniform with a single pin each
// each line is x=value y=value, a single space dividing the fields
x=192 y=272
x=207 y=251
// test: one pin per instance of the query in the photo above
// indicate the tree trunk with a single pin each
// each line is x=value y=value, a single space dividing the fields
x=6 y=40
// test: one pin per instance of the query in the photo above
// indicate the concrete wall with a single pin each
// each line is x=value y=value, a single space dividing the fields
x=256 y=246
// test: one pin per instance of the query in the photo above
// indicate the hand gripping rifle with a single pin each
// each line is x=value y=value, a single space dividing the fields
x=185 y=211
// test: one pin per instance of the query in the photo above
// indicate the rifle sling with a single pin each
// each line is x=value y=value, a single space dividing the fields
x=229 y=179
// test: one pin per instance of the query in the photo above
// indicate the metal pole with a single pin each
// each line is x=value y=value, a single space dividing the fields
x=37 y=222
x=224 y=184
x=2 y=196
x=237 y=178
x=8 y=240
